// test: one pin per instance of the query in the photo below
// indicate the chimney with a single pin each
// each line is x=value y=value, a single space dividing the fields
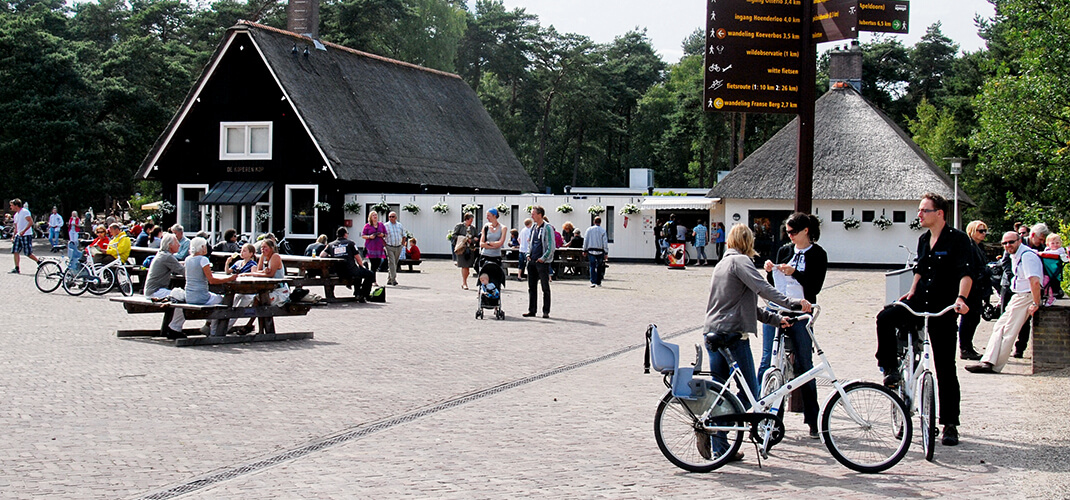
x=845 y=66
x=303 y=17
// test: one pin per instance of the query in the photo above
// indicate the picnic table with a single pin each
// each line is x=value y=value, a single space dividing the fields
x=316 y=271
x=219 y=314
x=570 y=262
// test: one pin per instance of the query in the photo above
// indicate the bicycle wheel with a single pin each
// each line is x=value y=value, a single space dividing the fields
x=122 y=282
x=679 y=432
x=928 y=415
x=771 y=382
x=102 y=283
x=73 y=281
x=48 y=277
x=878 y=439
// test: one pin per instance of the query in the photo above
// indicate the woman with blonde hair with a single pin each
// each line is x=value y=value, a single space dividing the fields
x=733 y=308
x=979 y=292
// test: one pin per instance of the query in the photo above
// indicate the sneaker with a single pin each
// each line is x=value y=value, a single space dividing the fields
x=14 y=271
x=593 y=285
x=969 y=355
x=1017 y=354
x=528 y=315
x=981 y=368
x=206 y=329
x=702 y=440
x=814 y=434
x=546 y=315
x=951 y=435
x=599 y=285
x=173 y=334
x=891 y=380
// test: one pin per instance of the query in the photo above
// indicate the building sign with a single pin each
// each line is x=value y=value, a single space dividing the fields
x=752 y=56
x=886 y=16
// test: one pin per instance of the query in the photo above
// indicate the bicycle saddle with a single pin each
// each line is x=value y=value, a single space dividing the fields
x=718 y=340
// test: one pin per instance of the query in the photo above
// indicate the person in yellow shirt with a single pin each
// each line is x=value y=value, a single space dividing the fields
x=118 y=246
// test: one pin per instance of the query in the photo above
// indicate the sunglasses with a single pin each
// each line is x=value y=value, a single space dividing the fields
x=1005 y=243
x=982 y=231
x=793 y=232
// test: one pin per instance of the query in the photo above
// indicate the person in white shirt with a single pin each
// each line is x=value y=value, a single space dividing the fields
x=395 y=244
x=596 y=248
x=1025 y=300
x=55 y=225
x=22 y=240
x=525 y=247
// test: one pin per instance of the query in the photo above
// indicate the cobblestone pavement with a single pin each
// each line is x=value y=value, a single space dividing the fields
x=418 y=398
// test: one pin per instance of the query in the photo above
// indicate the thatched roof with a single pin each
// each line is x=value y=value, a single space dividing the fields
x=859 y=154
x=380 y=120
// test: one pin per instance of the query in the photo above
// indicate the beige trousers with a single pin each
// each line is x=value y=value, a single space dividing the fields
x=1005 y=332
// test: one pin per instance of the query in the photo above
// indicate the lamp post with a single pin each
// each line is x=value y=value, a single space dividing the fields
x=956 y=169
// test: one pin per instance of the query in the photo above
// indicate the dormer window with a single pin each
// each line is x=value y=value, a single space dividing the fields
x=245 y=140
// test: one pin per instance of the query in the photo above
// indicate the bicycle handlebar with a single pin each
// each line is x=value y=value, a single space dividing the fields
x=815 y=311
x=924 y=314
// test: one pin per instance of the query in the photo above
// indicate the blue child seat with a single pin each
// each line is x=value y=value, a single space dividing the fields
x=665 y=358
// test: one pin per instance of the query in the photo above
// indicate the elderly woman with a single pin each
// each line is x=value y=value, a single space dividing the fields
x=492 y=238
x=73 y=224
x=979 y=291
x=733 y=307
x=374 y=235
x=467 y=258
x=198 y=277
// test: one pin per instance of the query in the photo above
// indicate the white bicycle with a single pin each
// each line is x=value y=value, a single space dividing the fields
x=699 y=423
x=917 y=388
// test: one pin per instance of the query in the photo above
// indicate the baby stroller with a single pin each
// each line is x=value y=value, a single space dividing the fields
x=990 y=311
x=493 y=300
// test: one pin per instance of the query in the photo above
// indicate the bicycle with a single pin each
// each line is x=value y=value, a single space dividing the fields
x=916 y=389
x=49 y=274
x=778 y=371
x=699 y=423
x=97 y=280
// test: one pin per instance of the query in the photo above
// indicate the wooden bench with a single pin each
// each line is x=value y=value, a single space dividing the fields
x=410 y=263
x=219 y=314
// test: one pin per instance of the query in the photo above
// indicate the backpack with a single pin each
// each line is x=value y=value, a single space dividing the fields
x=668 y=231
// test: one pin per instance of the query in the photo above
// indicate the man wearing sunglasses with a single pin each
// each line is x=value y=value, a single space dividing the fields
x=1024 y=301
x=942 y=276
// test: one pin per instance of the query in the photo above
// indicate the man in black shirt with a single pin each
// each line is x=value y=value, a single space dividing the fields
x=942 y=276
x=352 y=266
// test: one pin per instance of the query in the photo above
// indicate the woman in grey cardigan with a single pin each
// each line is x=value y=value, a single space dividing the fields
x=733 y=303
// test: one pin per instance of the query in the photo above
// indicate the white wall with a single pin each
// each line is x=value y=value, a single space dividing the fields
x=867 y=244
x=430 y=228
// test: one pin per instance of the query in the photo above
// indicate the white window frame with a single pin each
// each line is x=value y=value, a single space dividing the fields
x=246 y=155
x=315 y=211
x=181 y=199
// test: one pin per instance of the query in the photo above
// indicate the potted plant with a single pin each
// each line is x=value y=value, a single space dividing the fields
x=915 y=224
x=352 y=208
x=381 y=207
x=850 y=222
x=596 y=210
x=441 y=208
x=470 y=208
x=882 y=222
x=322 y=206
x=411 y=208
x=503 y=209
x=166 y=207
x=564 y=208
x=629 y=209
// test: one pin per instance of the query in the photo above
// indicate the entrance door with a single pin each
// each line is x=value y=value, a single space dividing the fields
x=769 y=232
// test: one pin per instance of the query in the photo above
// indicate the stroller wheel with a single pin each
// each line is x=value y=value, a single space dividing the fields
x=500 y=314
x=479 y=314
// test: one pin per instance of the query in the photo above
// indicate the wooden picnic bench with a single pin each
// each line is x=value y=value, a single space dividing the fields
x=220 y=314
x=410 y=263
x=570 y=262
x=316 y=271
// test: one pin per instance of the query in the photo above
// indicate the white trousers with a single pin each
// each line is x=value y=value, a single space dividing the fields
x=1005 y=332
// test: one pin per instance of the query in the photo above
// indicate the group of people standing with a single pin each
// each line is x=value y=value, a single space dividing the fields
x=700 y=236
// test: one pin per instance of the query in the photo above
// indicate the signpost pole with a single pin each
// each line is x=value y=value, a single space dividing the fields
x=804 y=174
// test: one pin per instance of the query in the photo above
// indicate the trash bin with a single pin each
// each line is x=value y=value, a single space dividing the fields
x=897 y=283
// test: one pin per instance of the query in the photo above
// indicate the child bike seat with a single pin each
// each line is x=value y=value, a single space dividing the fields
x=665 y=358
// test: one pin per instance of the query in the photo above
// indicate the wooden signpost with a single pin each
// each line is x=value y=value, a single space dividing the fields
x=761 y=57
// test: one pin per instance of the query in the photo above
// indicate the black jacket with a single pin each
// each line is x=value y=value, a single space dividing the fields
x=813 y=278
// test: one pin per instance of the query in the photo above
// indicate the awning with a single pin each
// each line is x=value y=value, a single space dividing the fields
x=151 y=206
x=678 y=203
x=236 y=193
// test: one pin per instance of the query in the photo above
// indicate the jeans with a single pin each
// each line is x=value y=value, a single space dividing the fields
x=596 y=267
x=53 y=236
x=538 y=273
x=701 y=254
x=804 y=361
x=720 y=369
x=521 y=263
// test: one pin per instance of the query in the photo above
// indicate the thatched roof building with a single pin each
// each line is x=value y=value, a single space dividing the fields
x=859 y=154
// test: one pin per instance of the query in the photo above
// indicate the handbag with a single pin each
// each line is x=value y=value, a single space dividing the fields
x=461 y=246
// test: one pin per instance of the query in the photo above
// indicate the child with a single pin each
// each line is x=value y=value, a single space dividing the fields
x=1055 y=245
x=247 y=262
x=514 y=238
x=487 y=288
x=1053 y=257
x=413 y=252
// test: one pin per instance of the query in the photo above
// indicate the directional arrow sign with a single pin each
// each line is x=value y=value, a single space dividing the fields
x=835 y=20
x=886 y=16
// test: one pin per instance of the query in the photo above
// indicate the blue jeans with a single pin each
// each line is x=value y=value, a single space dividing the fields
x=804 y=361
x=53 y=236
x=522 y=262
x=596 y=267
x=720 y=369
x=701 y=253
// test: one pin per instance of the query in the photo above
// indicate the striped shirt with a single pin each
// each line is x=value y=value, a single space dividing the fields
x=395 y=233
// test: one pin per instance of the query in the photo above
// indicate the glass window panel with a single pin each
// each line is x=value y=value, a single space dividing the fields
x=259 y=141
x=236 y=141
x=837 y=216
x=303 y=215
x=191 y=211
x=607 y=222
x=899 y=216
x=868 y=215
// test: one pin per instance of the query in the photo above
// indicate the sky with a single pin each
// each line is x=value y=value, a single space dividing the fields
x=668 y=22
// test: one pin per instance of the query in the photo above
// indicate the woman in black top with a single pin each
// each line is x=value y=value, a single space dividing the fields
x=798 y=271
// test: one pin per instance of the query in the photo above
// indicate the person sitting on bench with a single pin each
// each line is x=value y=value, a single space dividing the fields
x=352 y=266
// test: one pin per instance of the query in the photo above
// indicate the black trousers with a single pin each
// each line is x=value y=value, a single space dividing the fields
x=968 y=325
x=538 y=272
x=1023 y=334
x=363 y=277
x=942 y=334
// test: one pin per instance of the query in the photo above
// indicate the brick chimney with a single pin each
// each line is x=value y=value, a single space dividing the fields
x=303 y=17
x=845 y=65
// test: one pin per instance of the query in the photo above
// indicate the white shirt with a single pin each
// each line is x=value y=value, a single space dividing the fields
x=22 y=222
x=395 y=233
x=788 y=285
x=525 y=239
x=55 y=220
x=1026 y=264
